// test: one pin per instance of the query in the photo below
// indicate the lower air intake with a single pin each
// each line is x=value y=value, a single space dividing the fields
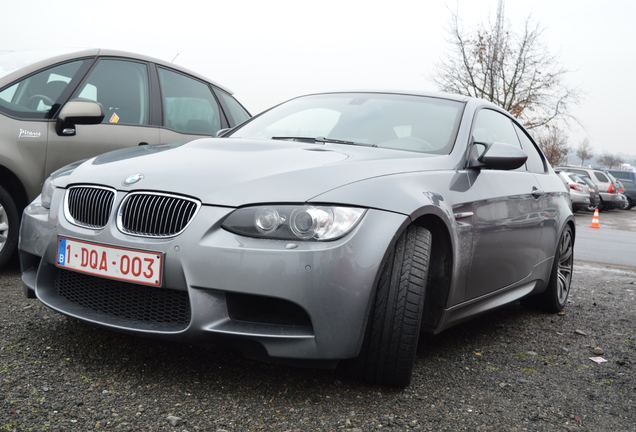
x=120 y=303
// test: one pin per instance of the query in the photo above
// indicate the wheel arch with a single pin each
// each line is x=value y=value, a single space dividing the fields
x=12 y=184
x=440 y=271
x=570 y=221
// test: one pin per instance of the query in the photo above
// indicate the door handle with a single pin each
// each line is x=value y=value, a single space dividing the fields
x=143 y=143
x=537 y=193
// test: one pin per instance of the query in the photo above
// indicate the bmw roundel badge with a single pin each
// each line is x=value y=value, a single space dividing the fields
x=132 y=179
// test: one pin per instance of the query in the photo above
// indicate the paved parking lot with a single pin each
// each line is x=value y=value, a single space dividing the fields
x=614 y=244
x=515 y=369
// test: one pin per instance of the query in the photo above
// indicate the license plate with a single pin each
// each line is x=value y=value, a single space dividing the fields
x=111 y=262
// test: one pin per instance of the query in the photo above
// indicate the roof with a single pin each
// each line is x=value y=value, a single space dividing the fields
x=439 y=95
x=102 y=52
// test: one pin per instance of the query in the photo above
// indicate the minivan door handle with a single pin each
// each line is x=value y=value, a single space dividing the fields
x=537 y=193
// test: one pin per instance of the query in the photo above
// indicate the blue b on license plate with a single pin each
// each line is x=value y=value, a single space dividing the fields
x=112 y=262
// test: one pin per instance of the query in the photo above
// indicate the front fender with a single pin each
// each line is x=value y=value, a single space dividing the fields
x=428 y=193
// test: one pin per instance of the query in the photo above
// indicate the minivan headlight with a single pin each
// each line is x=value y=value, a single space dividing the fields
x=294 y=222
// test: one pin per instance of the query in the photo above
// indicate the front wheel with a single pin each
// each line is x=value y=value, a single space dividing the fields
x=390 y=345
x=556 y=295
x=9 y=225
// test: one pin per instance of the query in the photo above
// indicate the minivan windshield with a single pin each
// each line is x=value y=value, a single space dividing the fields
x=402 y=122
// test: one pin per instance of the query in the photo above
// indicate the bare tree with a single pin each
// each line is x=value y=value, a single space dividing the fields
x=554 y=144
x=617 y=161
x=610 y=160
x=513 y=70
x=584 y=151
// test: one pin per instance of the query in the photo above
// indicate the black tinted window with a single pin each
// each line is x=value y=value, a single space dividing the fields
x=122 y=88
x=188 y=104
x=34 y=96
x=233 y=108
x=535 y=162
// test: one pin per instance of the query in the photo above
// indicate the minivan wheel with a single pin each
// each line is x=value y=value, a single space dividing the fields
x=556 y=295
x=9 y=224
x=388 y=352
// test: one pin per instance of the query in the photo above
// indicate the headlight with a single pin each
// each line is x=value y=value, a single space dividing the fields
x=48 y=188
x=47 y=192
x=291 y=222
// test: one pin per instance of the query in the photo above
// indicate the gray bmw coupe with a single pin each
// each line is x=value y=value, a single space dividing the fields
x=332 y=227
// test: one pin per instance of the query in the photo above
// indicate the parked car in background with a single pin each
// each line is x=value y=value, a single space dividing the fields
x=392 y=214
x=595 y=197
x=78 y=105
x=628 y=179
x=607 y=188
x=624 y=202
x=579 y=190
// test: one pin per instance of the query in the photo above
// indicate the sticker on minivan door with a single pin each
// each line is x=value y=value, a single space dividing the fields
x=24 y=133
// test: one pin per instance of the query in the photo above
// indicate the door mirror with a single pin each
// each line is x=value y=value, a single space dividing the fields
x=497 y=155
x=78 y=111
x=221 y=132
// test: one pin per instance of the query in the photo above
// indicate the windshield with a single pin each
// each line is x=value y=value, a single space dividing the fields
x=413 y=123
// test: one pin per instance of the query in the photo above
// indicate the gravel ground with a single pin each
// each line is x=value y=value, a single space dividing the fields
x=515 y=369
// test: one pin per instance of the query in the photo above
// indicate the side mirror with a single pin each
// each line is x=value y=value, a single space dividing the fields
x=221 y=132
x=78 y=111
x=498 y=156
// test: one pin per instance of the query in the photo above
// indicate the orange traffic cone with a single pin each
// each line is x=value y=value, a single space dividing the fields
x=595 y=223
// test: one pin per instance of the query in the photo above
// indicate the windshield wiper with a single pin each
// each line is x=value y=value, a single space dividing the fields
x=322 y=140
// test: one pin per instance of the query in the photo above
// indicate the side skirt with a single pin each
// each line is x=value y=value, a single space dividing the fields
x=533 y=283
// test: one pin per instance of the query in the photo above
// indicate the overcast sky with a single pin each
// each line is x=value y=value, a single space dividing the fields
x=268 y=51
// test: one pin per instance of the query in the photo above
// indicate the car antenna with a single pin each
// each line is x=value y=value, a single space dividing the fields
x=175 y=57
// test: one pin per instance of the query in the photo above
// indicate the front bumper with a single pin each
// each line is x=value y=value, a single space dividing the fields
x=332 y=282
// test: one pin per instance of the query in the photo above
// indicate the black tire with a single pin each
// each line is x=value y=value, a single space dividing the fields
x=388 y=352
x=601 y=206
x=627 y=205
x=8 y=215
x=554 y=299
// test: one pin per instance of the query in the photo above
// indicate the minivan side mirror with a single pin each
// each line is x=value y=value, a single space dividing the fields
x=497 y=155
x=78 y=111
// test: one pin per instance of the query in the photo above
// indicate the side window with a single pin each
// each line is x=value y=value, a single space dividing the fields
x=233 y=108
x=34 y=96
x=601 y=177
x=491 y=126
x=121 y=86
x=188 y=104
x=623 y=175
x=535 y=161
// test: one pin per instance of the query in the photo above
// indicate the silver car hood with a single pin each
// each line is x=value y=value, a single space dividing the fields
x=235 y=172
